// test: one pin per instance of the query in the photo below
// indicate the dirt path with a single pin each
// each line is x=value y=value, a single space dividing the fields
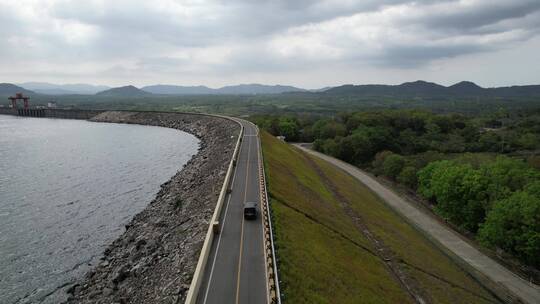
x=526 y=291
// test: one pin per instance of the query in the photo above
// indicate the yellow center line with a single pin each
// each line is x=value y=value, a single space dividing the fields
x=242 y=230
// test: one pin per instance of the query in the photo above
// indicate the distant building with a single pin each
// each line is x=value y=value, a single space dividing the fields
x=51 y=105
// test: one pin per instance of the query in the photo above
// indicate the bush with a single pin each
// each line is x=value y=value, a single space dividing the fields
x=288 y=128
x=407 y=177
x=534 y=161
x=330 y=147
x=393 y=164
x=425 y=177
x=378 y=161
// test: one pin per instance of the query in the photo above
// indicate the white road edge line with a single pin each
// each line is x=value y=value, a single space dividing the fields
x=219 y=237
x=259 y=161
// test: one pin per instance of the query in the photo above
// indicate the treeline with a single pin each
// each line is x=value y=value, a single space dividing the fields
x=500 y=200
x=454 y=161
x=357 y=137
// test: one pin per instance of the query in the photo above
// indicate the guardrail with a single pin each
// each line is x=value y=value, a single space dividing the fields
x=274 y=294
x=196 y=281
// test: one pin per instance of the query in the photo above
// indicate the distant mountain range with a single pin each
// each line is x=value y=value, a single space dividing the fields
x=416 y=89
x=242 y=89
x=177 y=90
x=88 y=89
x=63 y=89
x=432 y=90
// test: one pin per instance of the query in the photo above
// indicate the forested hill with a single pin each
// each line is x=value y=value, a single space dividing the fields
x=11 y=89
x=127 y=91
x=464 y=89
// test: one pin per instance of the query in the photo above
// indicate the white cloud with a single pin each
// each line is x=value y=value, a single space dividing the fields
x=186 y=41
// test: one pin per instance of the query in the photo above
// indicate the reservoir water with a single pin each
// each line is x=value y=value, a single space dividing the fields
x=67 y=188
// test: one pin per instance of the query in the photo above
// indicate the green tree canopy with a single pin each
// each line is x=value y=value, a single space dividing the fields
x=514 y=225
x=393 y=164
x=460 y=192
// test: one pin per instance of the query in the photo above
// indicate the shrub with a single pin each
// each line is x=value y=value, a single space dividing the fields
x=407 y=177
x=378 y=161
x=393 y=164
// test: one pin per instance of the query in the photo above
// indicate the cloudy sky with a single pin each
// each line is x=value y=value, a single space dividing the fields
x=307 y=43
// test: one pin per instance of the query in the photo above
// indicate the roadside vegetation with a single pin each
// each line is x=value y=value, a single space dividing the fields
x=479 y=173
x=338 y=242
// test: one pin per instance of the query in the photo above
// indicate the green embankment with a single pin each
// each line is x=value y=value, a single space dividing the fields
x=325 y=258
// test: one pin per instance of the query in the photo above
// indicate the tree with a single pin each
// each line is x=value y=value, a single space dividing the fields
x=330 y=147
x=408 y=177
x=425 y=177
x=318 y=145
x=328 y=128
x=379 y=137
x=528 y=141
x=506 y=175
x=410 y=142
x=534 y=161
x=433 y=132
x=288 y=128
x=514 y=225
x=393 y=164
x=453 y=143
x=377 y=163
x=460 y=192
x=345 y=149
x=489 y=142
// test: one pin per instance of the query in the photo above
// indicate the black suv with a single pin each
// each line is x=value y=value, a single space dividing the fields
x=250 y=210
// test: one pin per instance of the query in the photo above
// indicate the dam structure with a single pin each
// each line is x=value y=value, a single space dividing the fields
x=50 y=113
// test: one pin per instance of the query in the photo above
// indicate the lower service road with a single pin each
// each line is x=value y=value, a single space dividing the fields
x=236 y=269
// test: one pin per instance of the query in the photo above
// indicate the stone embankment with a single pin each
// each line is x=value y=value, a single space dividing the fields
x=154 y=259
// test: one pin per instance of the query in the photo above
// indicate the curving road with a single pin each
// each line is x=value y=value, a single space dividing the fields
x=526 y=291
x=236 y=269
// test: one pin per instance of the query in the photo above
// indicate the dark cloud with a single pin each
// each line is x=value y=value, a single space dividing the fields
x=472 y=18
x=413 y=56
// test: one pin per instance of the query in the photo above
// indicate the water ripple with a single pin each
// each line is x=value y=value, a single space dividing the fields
x=67 y=188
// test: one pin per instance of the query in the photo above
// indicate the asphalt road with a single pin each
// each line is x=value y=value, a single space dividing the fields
x=528 y=292
x=236 y=271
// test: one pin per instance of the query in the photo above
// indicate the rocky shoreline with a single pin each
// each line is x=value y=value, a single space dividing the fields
x=153 y=261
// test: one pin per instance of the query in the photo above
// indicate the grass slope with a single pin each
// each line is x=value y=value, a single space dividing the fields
x=323 y=256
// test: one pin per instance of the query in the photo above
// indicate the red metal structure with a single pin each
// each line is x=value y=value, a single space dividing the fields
x=19 y=96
